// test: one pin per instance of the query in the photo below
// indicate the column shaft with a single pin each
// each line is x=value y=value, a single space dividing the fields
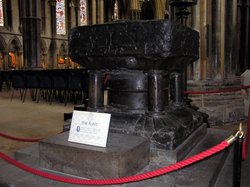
x=101 y=11
x=223 y=37
x=230 y=37
x=31 y=33
x=160 y=9
x=176 y=87
x=93 y=12
x=157 y=91
x=53 y=46
x=96 y=92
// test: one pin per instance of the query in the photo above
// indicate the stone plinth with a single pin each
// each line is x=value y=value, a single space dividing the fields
x=124 y=155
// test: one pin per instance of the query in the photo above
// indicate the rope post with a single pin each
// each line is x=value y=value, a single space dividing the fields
x=237 y=159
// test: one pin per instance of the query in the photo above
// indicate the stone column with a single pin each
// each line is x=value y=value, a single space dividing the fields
x=76 y=10
x=223 y=37
x=176 y=88
x=53 y=46
x=201 y=23
x=71 y=13
x=96 y=92
x=134 y=9
x=31 y=33
x=93 y=12
x=196 y=26
x=160 y=9
x=218 y=34
x=230 y=35
x=157 y=91
x=101 y=12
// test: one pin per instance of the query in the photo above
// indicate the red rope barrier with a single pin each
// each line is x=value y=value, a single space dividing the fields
x=218 y=91
x=122 y=180
x=20 y=139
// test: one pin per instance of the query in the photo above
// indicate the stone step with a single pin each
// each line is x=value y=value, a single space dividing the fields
x=30 y=151
x=124 y=155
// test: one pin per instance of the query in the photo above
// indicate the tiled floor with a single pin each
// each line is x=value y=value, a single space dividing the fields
x=32 y=120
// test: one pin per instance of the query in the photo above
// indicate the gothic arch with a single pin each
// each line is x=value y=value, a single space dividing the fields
x=14 y=53
x=63 y=49
x=62 y=57
x=15 y=44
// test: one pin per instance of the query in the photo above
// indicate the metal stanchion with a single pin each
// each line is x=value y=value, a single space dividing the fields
x=238 y=158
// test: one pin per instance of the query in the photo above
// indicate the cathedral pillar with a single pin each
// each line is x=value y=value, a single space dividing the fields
x=230 y=37
x=160 y=9
x=200 y=22
x=31 y=33
x=93 y=12
x=76 y=10
x=53 y=46
x=218 y=40
x=216 y=22
x=72 y=16
x=101 y=12
x=134 y=9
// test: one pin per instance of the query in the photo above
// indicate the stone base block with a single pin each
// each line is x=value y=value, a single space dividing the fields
x=124 y=155
x=178 y=154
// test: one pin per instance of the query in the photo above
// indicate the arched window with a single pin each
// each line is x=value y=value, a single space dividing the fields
x=83 y=12
x=62 y=56
x=60 y=17
x=1 y=14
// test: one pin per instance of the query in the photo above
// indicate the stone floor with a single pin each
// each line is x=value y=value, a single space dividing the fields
x=32 y=120
x=28 y=119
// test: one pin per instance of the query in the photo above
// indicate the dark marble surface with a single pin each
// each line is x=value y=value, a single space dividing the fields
x=140 y=45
